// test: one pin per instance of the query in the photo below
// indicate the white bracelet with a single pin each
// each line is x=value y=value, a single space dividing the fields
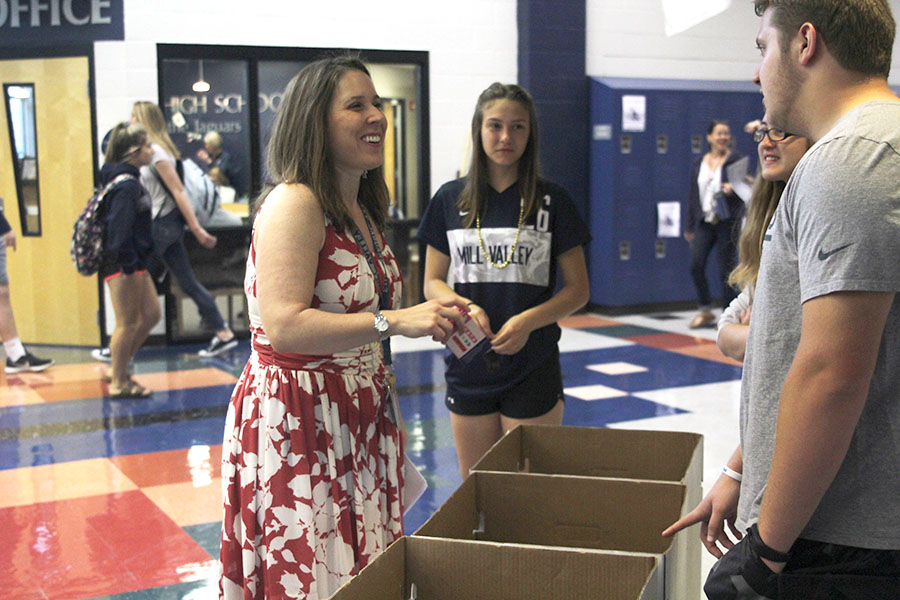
x=733 y=474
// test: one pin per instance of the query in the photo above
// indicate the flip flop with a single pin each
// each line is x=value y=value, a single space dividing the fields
x=132 y=390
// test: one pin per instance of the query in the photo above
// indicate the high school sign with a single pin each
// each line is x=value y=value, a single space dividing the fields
x=55 y=22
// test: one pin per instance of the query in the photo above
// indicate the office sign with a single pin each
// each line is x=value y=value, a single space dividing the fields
x=55 y=22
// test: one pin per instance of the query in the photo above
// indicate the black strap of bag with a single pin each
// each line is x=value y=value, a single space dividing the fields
x=179 y=170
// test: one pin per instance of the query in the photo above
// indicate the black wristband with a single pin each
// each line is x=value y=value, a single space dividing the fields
x=759 y=546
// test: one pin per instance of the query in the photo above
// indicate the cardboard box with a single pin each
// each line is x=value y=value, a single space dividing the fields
x=444 y=569
x=599 y=452
x=616 y=453
x=619 y=515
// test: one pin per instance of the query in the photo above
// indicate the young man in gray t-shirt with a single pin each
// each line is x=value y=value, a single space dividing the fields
x=818 y=468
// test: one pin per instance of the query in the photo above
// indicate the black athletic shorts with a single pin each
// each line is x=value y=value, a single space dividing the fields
x=534 y=396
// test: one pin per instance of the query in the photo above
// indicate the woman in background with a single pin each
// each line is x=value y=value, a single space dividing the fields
x=713 y=218
x=505 y=233
x=171 y=211
x=127 y=246
x=313 y=452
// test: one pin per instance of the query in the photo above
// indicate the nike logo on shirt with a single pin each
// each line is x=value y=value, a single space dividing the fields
x=824 y=255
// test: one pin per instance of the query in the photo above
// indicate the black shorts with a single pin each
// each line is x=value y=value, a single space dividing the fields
x=532 y=397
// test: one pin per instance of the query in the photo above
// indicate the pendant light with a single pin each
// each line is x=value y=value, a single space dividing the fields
x=201 y=85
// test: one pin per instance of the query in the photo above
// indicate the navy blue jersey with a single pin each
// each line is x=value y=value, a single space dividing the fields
x=528 y=280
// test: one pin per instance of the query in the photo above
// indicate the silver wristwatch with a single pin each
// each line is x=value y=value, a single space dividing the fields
x=381 y=326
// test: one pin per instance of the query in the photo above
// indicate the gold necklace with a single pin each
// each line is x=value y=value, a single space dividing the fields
x=515 y=242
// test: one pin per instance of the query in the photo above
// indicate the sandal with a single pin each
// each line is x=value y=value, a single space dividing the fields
x=132 y=390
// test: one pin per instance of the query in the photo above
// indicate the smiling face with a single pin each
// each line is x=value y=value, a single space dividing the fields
x=719 y=139
x=778 y=77
x=356 y=124
x=778 y=159
x=505 y=129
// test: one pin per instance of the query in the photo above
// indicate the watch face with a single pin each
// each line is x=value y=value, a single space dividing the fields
x=381 y=323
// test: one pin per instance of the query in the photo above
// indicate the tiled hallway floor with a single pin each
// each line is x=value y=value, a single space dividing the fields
x=121 y=499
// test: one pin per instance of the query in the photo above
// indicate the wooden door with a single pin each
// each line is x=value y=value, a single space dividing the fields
x=52 y=303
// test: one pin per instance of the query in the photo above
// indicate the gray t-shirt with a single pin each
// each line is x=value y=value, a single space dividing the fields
x=837 y=228
x=160 y=200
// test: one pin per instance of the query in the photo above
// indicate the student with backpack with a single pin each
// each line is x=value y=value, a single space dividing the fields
x=127 y=248
x=171 y=211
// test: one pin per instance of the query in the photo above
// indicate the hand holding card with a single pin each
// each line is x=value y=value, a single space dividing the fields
x=469 y=341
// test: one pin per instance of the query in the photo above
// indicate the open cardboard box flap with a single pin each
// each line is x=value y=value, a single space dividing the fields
x=443 y=569
x=553 y=510
x=596 y=452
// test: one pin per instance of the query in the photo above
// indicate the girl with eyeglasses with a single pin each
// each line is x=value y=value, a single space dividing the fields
x=779 y=153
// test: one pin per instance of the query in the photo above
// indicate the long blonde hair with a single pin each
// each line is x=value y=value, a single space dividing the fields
x=475 y=191
x=151 y=117
x=299 y=150
x=763 y=202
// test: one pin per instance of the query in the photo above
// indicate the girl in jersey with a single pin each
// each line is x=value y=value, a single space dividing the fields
x=504 y=233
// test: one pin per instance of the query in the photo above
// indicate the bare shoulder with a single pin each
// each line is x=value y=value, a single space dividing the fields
x=292 y=209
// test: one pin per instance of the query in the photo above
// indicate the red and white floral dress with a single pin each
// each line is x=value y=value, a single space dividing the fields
x=312 y=461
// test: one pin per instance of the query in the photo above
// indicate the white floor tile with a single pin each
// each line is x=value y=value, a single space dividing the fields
x=594 y=392
x=576 y=340
x=617 y=368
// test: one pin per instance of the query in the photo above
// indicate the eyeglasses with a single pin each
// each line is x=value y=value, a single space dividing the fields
x=774 y=135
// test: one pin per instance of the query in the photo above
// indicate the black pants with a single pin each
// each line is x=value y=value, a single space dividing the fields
x=723 y=235
x=815 y=571
x=819 y=570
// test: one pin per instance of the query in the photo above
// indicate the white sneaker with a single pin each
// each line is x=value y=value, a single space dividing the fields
x=101 y=354
x=218 y=346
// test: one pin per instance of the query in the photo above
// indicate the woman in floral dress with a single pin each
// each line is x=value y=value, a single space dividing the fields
x=312 y=456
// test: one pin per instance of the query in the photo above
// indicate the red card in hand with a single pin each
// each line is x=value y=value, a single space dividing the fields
x=468 y=341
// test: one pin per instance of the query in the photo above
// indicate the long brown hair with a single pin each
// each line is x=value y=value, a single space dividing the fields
x=299 y=151
x=763 y=202
x=151 y=117
x=125 y=139
x=474 y=193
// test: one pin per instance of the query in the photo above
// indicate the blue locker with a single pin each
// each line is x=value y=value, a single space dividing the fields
x=632 y=171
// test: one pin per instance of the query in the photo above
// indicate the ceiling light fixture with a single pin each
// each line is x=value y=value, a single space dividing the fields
x=201 y=85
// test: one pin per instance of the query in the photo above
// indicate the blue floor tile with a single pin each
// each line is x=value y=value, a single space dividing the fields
x=600 y=413
x=664 y=369
x=114 y=442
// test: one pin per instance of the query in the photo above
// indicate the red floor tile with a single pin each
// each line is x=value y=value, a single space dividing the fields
x=586 y=321
x=96 y=546
x=707 y=351
x=670 y=341
x=172 y=466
